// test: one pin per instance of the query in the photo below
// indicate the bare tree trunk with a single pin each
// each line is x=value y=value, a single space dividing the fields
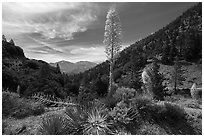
x=111 y=73
x=111 y=79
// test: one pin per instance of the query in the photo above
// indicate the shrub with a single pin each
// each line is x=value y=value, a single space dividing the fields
x=113 y=89
x=124 y=94
x=141 y=104
x=28 y=108
x=109 y=102
x=123 y=113
x=170 y=112
x=18 y=107
x=174 y=111
x=4 y=126
x=85 y=96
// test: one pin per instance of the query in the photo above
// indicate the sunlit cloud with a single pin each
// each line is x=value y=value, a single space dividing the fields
x=90 y=53
x=52 y=20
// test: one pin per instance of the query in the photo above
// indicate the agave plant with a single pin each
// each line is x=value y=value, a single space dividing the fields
x=52 y=125
x=75 y=119
x=97 y=124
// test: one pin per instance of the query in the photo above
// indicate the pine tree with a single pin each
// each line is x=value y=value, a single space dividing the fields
x=11 y=42
x=58 y=68
x=165 y=52
x=44 y=71
x=176 y=76
x=173 y=51
x=138 y=62
x=112 y=40
x=156 y=81
x=4 y=38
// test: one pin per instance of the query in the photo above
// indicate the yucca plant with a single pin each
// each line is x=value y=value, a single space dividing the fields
x=53 y=125
x=97 y=124
x=76 y=118
x=88 y=119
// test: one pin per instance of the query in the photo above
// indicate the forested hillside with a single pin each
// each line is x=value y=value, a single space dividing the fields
x=182 y=38
x=32 y=76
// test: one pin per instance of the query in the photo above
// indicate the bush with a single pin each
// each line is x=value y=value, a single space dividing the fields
x=123 y=114
x=4 y=126
x=174 y=111
x=170 y=112
x=18 y=107
x=109 y=102
x=85 y=96
x=124 y=94
x=113 y=90
x=141 y=103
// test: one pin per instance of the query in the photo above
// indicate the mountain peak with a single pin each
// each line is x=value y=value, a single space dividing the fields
x=69 y=67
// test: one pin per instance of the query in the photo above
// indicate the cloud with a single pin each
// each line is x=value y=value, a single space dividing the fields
x=44 y=48
x=89 y=51
x=51 y=20
x=35 y=7
x=95 y=53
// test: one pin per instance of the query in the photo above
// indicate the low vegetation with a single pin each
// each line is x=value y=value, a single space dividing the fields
x=18 y=107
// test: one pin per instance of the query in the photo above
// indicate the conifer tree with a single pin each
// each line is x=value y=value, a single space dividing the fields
x=12 y=42
x=112 y=40
x=138 y=62
x=4 y=38
x=44 y=71
x=176 y=76
x=58 y=68
x=156 y=81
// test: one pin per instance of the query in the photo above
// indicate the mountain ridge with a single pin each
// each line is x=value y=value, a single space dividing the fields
x=73 y=68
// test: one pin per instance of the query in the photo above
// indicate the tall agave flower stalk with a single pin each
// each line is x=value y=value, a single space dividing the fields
x=112 y=40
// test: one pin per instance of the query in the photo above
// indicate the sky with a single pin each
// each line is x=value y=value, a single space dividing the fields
x=75 y=31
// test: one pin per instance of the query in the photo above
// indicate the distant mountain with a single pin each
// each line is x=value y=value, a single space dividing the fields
x=74 y=68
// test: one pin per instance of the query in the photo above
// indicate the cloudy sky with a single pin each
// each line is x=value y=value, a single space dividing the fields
x=74 y=31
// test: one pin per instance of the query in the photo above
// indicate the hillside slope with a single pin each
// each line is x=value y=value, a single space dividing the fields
x=29 y=74
x=182 y=38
